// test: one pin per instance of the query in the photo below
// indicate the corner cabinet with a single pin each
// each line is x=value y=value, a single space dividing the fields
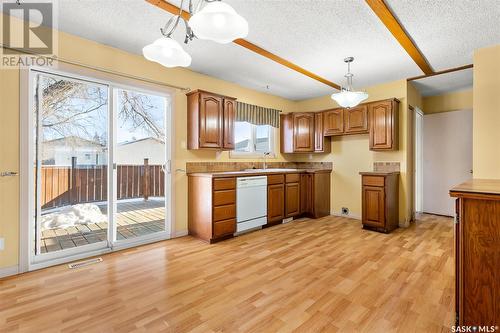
x=302 y=132
x=210 y=121
x=383 y=117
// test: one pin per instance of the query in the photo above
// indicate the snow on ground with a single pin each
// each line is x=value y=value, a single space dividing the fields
x=70 y=216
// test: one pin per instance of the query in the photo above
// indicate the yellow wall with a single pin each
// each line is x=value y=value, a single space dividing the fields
x=486 y=115
x=454 y=101
x=351 y=154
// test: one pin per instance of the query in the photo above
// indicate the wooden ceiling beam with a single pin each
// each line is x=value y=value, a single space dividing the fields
x=383 y=12
x=250 y=46
x=450 y=70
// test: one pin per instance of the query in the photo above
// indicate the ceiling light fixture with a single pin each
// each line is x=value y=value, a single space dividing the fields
x=346 y=97
x=216 y=21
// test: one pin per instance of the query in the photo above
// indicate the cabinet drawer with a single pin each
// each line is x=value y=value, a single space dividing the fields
x=275 y=179
x=373 y=180
x=224 y=184
x=224 y=212
x=225 y=197
x=292 y=177
x=226 y=227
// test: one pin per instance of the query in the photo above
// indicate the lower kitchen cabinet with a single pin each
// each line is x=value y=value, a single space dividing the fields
x=315 y=194
x=292 y=195
x=211 y=207
x=275 y=203
x=380 y=200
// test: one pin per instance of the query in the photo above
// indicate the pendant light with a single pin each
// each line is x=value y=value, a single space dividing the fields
x=218 y=22
x=346 y=97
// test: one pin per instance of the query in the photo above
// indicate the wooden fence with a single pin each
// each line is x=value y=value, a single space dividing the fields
x=61 y=186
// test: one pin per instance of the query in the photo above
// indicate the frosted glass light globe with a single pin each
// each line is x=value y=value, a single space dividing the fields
x=219 y=22
x=167 y=52
x=349 y=99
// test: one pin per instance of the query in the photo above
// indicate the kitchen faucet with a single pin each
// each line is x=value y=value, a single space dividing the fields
x=265 y=155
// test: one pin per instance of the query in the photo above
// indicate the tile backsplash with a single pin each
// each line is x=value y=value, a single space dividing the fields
x=192 y=167
x=386 y=166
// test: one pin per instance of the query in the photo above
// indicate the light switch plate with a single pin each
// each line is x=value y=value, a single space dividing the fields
x=2 y=243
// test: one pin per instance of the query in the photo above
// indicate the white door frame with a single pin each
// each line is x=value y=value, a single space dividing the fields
x=419 y=158
x=27 y=260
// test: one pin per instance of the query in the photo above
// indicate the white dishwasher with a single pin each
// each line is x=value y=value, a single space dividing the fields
x=251 y=202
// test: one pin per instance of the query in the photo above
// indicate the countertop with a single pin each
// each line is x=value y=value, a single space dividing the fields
x=257 y=172
x=477 y=186
x=379 y=173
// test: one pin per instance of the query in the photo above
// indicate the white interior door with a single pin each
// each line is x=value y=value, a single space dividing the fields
x=447 y=152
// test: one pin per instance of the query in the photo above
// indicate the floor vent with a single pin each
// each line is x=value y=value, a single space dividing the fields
x=83 y=263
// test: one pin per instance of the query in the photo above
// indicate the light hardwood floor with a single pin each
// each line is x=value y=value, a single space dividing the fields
x=324 y=275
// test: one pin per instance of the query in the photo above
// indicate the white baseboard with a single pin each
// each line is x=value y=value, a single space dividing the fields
x=179 y=233
x=8 y=271
x=350 y=216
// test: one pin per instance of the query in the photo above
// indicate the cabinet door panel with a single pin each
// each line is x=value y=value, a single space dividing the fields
x=275 y=202
x=319 y=139
x=356 y=120
x=229 y=119
x=303 y=132
x=333 y=122
x=210 y=121
x=292 y=199
x=383 y=125
x=306 y=194
x=374 y=206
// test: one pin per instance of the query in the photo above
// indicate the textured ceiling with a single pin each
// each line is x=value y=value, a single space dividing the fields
x=316 y=35
x=440 y=84
x=448 y=31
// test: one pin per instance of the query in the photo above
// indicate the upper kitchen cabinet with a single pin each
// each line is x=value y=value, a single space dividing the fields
x=346 y=121
x=302 y=132
x=210 y=120
x=333 y=122
x=383 y=119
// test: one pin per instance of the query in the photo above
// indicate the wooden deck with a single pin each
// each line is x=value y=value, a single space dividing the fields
x=134 y=218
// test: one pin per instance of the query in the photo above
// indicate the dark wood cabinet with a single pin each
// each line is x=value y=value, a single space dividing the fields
x=383 y=119
x=302 y=132
x=292 y=194
x=333 y=122
x=275 y=198
x=380 y=200
x=211 y=207
x=211 y=120
x=322 y=144
x=229 y=120
x=356 y=120
x=306 y=193
x=477 y=252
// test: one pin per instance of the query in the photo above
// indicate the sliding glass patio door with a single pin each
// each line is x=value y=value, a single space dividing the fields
x=100 y=167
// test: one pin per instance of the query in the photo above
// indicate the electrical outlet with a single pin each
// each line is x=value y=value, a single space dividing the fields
x=2 y=243
x=345 y=211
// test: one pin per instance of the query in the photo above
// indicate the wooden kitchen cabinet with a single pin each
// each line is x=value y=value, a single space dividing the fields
x=383 y=120
x=275 y=198
x=302 y=132
x=211 y=207
x=380 y=200
x=333 y=122
x=306 y=193
x=477 y=252
x=315 y=194
x=292 y=195
x=210 y=120
x=356 y=120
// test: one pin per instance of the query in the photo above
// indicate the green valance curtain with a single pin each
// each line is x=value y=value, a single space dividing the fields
x=257 y=115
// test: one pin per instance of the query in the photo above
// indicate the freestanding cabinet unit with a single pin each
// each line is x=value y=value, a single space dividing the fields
x=380 y=200
x=477 y=252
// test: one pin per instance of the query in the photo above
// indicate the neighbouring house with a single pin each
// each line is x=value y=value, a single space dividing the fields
x=61 y=151
x=134 y=152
